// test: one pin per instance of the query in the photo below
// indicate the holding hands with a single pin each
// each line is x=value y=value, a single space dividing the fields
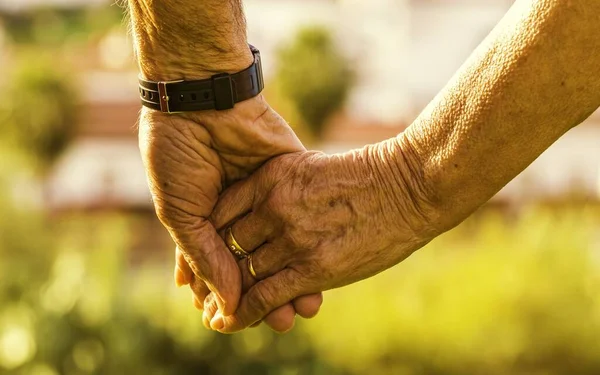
x=191 y=157
x=312 y=222
x=306 y=222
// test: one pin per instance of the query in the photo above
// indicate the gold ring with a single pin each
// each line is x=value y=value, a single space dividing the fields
x=234 y=246
x=251 y=267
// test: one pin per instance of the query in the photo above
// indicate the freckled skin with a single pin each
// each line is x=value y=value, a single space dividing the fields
x=535 y=77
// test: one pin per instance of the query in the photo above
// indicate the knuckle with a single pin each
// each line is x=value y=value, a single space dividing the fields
x=277 y=166
x=260 y=300
x=316 y=272
x=299 y=239
x=306 y=276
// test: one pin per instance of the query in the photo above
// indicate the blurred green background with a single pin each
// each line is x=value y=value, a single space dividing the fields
x=86 y=272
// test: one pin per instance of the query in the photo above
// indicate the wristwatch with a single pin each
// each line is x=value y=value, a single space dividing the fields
x=220 y=92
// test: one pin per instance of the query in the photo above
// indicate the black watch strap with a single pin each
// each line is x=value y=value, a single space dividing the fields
x=219 y=92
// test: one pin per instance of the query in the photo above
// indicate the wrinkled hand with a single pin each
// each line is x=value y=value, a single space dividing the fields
x=315 y=222
x=189 y=160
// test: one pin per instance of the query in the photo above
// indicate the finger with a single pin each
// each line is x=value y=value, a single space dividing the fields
x=183 y=272
x=210 y=309
x=280 y=320
x=251 y=231
x=308 y=306
x=234 y=202
x=212 y=262
x=266 y=261
x=266 y=264
x=200 y=290
x=262 y=298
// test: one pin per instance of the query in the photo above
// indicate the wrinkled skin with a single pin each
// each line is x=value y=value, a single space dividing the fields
x=314 y=222
x=189 y=161
x=532 y=79
x=190 y=158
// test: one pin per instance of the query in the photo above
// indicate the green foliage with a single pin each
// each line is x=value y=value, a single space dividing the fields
x=496 y=296
x=39 y=110
x=69 y=305
x=315 y=75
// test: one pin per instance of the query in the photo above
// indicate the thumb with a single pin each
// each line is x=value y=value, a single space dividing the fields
x=235 y=202
x=211 y=261
x=264 y=297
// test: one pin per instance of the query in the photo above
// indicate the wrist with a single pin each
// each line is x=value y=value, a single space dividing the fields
x=398 y=180
x=243 y=137
x=161 y=64
x=189 y=41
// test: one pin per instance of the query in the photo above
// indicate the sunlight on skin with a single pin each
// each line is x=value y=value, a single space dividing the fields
x=532 y=79
x=190 y=158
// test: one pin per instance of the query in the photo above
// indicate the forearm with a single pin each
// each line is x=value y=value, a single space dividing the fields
x=535 y=77
x=189 y=39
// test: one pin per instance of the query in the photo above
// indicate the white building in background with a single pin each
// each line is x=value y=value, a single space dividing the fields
x=19 y=5
x=404 y=51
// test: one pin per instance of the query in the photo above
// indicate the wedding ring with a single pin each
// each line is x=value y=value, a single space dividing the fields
x=234 y=246
x=251 y=267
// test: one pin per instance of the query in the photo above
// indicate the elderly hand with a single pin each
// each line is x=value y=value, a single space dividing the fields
x=189 y=161
x=191 y=157
x=315 y=222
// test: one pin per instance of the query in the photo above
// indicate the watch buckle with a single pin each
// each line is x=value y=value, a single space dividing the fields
x=163 y=95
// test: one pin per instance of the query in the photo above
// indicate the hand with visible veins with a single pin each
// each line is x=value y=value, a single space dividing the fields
x=191 y=157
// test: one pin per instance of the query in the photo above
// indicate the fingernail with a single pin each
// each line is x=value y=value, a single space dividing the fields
x=217 y=322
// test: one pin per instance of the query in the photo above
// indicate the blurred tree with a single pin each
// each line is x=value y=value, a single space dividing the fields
x=39 y=111
x=494 y=297
x=315 y=75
